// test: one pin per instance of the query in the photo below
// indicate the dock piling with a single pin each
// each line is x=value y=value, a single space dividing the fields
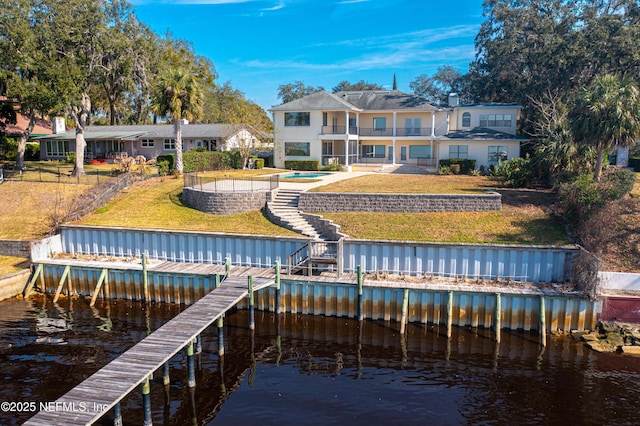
x=220 y=336
x=360 y=284
x=117 y=415
x=252 y=322
x=543 y=325
x=191 y=369
x=405 y=311
x=277 y=307
x=498 y=324
x=146 y=403
x=145 y=278
x=227 y=266
x=449 y=314
x=166 y=380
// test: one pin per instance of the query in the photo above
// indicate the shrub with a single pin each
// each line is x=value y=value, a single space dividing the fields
x=333 y=167
x=71 y=157
x=170 y=159
x=466 y=165
x=312 y=165
x=444 y=170
x=516 y=172
x=32 y=152
x=234 y=159
x=163 y=168
x=455 y=168
x=258 y=163
x=617 y=183
x=198 y=161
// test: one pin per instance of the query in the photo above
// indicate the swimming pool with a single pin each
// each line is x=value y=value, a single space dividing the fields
x=303 y=175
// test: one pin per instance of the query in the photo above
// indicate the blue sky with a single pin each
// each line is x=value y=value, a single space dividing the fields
x=260 y=44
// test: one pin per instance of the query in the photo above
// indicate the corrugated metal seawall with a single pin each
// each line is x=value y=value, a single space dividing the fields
x=518 y=311
x=517 y=263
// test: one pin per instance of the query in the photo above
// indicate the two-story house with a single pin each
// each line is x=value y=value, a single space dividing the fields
x=392 y=127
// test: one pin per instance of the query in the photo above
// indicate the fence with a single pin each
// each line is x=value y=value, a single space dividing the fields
x=216 y=184
x=62 y=174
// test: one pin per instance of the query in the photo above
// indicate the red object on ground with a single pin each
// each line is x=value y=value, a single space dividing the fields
x=624 y=309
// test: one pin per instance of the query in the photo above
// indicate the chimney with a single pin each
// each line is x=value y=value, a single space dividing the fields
x=184 y=121
x=58 y=125
x=454 y=101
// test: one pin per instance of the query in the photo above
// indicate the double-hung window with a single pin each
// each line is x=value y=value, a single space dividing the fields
x=169 y=144
x=459 y=151
x=497 y=154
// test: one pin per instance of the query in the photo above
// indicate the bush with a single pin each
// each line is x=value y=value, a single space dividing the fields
x=617 y=182
x=516 y=172
x=333 y=167
x=163 y=168
x=71 y=157
x=258 y=163
x=32 y=152
x=8 y=148
x=198 y=161
x=455 y=168
x=171 y=162
x=466 y=165
x=444 y=170
x=311 y=165
x=234 y=159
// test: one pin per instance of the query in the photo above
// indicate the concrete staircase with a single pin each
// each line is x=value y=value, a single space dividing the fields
x=283 y=210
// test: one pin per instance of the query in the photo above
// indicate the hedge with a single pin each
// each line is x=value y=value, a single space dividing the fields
x=199 y=161
x=170 y=159
x=466 y=166
x=312 y=165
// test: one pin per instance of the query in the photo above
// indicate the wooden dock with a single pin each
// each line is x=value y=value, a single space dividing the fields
x=94 y=397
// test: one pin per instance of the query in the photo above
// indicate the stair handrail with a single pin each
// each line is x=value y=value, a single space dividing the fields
x=295 y=259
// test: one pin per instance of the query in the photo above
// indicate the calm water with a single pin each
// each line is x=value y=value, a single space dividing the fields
x=319 y=371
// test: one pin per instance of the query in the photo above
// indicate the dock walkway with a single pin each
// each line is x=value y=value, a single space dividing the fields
x=94 y=397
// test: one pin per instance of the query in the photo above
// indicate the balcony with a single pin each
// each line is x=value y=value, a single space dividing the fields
x=400 y=131
x=338 y=130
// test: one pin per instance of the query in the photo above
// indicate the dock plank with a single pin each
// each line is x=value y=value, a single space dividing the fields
x=102 y=390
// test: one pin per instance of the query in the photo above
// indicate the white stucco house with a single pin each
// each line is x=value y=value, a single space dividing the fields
x=392 y=127
x=107 y=142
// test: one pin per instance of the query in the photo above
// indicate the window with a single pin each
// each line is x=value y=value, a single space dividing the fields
x=297 y=149
x=459 y=151
x=297 y=119
x=169 y=144
x=325 y=118
x=495 y=120
x=327 y=148
x=373 y=151
x=466 y=119
x=419 y=151
x=497 y=154
x=57 y=148
x=379 y=123
x=412 y=127
x=147 y=143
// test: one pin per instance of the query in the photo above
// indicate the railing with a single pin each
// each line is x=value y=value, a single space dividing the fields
x=323 y=251
x=413 y=131
x=216 y=184
x=297 y=259
x=338 y=130
x=368 y=131
x=60 y=175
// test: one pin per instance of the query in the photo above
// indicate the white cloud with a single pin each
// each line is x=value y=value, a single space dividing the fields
x=184 y=2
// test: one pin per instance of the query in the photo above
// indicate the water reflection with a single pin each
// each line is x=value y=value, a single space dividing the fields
x=299 y=369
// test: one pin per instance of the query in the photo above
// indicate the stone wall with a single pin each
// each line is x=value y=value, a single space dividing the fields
x=18 y=248
x=325 y=226
x=225 y=202
x=326 y=202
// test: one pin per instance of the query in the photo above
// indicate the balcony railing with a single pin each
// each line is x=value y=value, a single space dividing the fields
x=413 y=131
x=338 y=130
x=368 y=131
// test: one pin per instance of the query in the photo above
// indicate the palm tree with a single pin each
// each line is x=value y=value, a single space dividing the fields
x=177 y=94
x=607 y=114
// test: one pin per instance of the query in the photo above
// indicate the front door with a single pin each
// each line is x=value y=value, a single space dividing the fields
x=403 y=154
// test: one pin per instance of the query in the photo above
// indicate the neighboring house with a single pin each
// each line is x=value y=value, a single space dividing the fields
x=107 y=142
x=392 y=127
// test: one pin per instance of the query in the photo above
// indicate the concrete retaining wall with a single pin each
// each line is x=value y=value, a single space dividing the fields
x=12 y=285
x=225 y=202
x=618 y=281
x=326 y=202
x=18 y=248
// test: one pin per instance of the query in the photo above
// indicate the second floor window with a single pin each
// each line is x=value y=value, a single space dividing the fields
x=466 y=119
x=297 y=119
x=495 y=120
x=379 y=123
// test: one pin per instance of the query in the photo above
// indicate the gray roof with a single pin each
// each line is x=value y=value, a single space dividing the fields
x=377 y=100
x=481 y=133
x=372 y=100
x=151 y=131
x=316 y=101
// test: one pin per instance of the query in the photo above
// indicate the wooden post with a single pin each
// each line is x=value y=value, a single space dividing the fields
x=103 y=276
x=29 y=287
x=217 y=281
x=191 y=370
x=220 y=336
x=227 y=266
x=405 y=311
x=198 y=344
x=65 y=274
x=252 y=323
x=498 y=312
x=277 y=287
x=117 y=414
x=543 y=323
x=146 y=403
x=360 y=284
x=449 y=314
x=166 y=380
x=145 y=278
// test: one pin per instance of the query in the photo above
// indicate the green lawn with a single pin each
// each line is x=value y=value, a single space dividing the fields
x=10 y=264
x=155 y=204
x=411 y=184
